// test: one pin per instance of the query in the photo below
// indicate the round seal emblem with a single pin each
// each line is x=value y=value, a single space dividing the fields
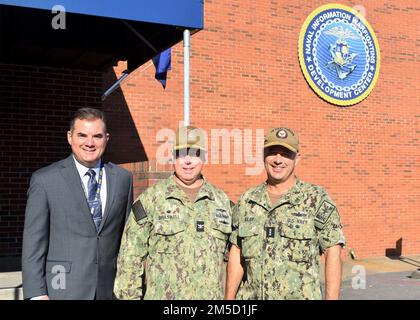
x=339 y=54
x=282 y=134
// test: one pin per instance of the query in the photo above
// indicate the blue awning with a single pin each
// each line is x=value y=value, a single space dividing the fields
x=98 y=33
x=182 y=13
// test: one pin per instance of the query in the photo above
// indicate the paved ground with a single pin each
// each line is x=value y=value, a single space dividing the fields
x=11 y=286
x=381 y=278
x=378 y=278
x=383 y=286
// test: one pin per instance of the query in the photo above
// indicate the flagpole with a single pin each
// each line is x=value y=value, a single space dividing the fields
x=115 y=85
x=186 y=77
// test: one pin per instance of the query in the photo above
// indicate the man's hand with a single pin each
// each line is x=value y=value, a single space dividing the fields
x=41 y=298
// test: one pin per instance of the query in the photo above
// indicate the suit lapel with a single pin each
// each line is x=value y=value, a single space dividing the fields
x=111 y=181
x=72 y=179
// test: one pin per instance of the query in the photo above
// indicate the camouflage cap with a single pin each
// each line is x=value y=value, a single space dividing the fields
x=189 y=137
x=282 y=136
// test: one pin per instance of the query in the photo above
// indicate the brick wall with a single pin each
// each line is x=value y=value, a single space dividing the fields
x=245 y=74
x=35 y=107
x=146 y=174
x=36 y=104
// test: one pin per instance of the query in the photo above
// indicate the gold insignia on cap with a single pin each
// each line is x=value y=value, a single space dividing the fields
x=192 y=136
x=282 y=134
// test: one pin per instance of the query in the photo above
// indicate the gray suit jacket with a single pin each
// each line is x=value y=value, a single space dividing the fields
x=63 y=254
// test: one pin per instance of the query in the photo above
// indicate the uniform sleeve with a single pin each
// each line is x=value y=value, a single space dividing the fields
x=229 y=209
x=133 y=252
x=328 y=224
x=233 y=239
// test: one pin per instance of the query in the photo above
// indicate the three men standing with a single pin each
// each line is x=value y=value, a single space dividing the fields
x=176 y=236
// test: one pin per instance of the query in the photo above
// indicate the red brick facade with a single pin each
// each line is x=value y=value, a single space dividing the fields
x=245 y=74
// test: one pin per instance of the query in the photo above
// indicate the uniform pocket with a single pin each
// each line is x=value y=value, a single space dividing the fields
x=220 y=232
x=169 y=235
x=297 y=244
x=249 y=234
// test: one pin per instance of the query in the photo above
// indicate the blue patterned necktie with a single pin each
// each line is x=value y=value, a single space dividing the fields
x=94 y=200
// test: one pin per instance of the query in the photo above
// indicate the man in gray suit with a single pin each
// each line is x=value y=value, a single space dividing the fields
x=75 y=216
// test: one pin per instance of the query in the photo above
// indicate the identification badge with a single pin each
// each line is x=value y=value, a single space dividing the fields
x=269 y=231
x=93 y=206
x=200 y=226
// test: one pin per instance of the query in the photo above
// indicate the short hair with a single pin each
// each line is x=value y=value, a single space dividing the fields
x=88 y=114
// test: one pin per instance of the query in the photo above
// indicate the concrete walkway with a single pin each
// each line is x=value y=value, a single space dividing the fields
x=381 y=278
x=383 y=286
x=11 y=286
x=378 y=278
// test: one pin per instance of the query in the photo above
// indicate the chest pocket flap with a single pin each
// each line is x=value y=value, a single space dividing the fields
x=250 y=238
x=221 y=230
x=169 y=236
x=297 y=244
x=171 y=227
x=248 y=229
x=220 y=233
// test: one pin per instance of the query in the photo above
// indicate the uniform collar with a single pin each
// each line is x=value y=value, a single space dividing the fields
x=174 y=191
x=260 y=195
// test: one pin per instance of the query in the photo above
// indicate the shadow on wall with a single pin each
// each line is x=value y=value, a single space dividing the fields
x=10 y=264
x=36 y=105
x=394 y=252
x=125 y=145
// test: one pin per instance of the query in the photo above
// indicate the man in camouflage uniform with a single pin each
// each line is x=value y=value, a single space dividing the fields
x=279 y=230
x=177 y=233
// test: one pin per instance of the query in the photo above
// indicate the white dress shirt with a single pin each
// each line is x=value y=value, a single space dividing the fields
x=85 y=178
